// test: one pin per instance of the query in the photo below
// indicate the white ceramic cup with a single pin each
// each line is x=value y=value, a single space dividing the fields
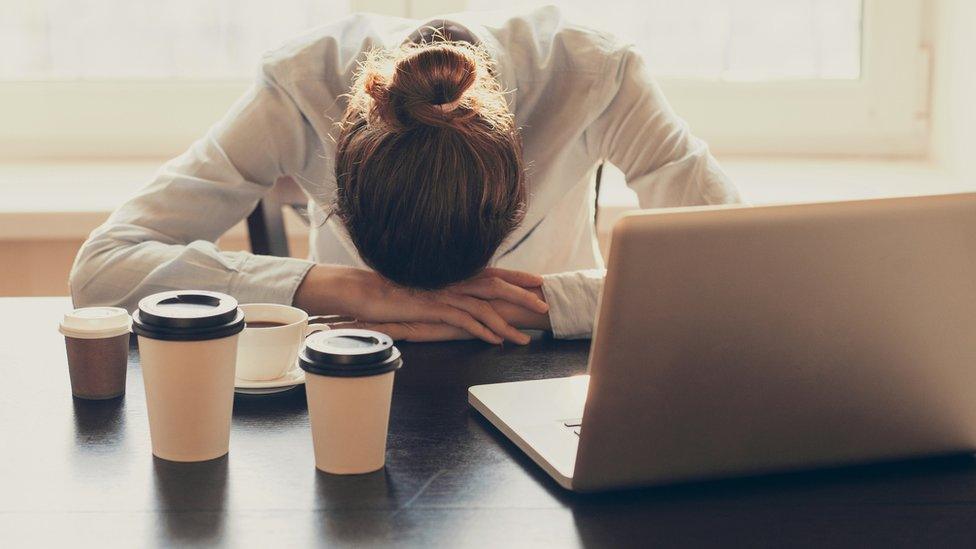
x=269 y=353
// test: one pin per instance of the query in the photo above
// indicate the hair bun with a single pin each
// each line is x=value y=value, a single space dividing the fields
x=427 y=87
x=440 y=84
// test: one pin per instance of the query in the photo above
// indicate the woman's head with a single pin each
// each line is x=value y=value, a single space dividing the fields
x=428 y=164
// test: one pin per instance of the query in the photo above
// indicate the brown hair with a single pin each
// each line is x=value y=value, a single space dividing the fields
x=429 y=168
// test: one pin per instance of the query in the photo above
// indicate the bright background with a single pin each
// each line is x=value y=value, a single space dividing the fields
x=751 y=76
x=800 y=99
x=213 y=39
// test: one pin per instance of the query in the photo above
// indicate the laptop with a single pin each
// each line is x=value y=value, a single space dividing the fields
x=739 y=341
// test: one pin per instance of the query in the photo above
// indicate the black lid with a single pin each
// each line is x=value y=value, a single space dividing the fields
x=187 y=315
x=349 y=353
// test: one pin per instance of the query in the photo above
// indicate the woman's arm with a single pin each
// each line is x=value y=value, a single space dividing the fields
x=639 y=133
x=465 y=308
x=663 y=162
x=514 y=299
x=163 y=237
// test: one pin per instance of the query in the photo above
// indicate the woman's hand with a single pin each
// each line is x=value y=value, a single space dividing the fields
x=409 y=331
x=459 y=311
x=432 y=331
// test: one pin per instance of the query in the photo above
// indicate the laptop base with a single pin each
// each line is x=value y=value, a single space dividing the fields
x=541 y=417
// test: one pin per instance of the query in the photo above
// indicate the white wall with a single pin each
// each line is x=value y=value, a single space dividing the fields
x=953 y=143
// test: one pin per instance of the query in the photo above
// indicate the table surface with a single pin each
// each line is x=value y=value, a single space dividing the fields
x=81 y=472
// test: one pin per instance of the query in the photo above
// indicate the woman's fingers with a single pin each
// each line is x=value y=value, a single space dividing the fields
x=484 y=314
x=394 y=304
x=518 y=278
x=447 y=313
x=381 y=302
x=417 y=331
x=496 y=288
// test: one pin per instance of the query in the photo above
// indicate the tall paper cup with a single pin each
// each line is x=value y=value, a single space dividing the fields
x=188 y=351
x=349 y=386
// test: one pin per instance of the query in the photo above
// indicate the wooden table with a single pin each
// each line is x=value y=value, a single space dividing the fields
x=78 y=473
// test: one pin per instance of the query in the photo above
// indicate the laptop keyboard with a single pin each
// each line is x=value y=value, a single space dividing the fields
x=573 y=424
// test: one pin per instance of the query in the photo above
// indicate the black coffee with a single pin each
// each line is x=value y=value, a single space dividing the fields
x=265 y=324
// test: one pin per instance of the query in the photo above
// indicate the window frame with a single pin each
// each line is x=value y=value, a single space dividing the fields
x=884 y=113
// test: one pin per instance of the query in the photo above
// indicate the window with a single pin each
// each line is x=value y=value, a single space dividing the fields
x=751 y=76
x=731 y=39
x=809 y=77
x=183 y=39
x=136 y=78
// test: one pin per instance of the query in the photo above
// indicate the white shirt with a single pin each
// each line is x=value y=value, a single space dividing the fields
x=579 y=96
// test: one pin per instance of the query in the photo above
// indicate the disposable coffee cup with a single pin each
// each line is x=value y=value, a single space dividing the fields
x=188 y=351
x=349 y=385
x=96 y=341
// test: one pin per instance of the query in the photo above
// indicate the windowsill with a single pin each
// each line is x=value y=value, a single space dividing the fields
x=790 y=180
x=66 y=201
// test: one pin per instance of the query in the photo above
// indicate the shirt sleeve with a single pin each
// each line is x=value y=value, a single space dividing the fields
x=663 y=162
x=638 y=132
x=163 y=237
x=573 y=299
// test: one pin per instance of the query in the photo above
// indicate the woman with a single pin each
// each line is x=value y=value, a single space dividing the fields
x=446 y=161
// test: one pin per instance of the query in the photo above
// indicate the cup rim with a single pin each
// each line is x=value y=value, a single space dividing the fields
x=107 y=333
x=75 y=325
x=279 y=306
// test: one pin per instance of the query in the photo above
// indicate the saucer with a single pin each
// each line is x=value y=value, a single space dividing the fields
x=293 y=378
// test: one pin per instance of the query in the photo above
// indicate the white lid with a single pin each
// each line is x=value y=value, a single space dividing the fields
x=95 y=322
